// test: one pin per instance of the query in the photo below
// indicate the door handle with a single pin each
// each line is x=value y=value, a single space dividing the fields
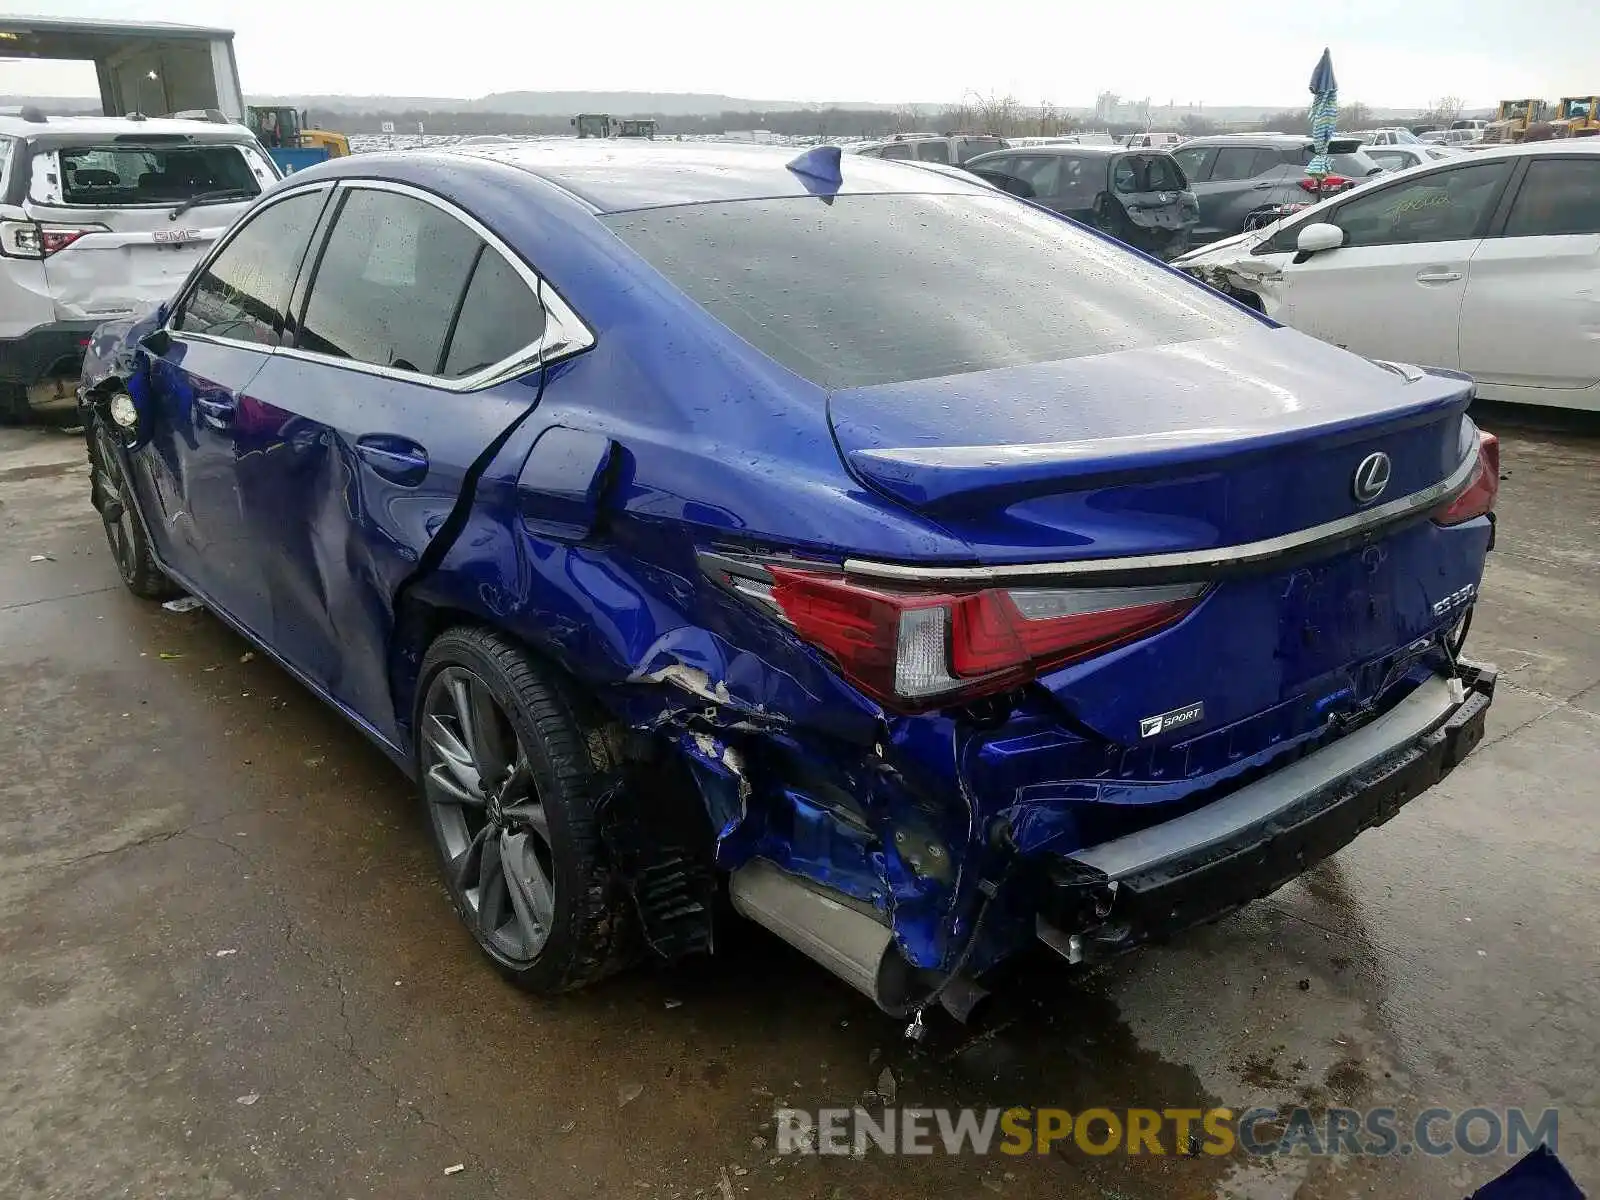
x=1438 y=276
x=216 y=413
x=397 y=459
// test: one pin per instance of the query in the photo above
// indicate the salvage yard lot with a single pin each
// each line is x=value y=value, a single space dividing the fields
x=228 y=969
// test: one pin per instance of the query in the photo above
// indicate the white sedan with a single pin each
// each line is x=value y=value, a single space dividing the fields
x=1399 y=158
x=1488 y=264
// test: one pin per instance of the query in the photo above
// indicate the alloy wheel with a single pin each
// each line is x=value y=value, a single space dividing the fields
x=488 y=816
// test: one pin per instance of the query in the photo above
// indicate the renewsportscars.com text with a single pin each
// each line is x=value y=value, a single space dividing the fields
x=1374 y=1132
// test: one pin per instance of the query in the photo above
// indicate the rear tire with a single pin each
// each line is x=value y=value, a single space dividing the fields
x=113 y=498
x=512 y=777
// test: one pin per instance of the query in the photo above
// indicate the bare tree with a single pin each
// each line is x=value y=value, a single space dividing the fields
x=997 y=114
x=1354 y=115
x=907 y=118
x=1444 y=110
x=1049 y=120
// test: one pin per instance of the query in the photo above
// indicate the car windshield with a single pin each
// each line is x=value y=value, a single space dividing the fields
x=872 y=289
x=116 y=175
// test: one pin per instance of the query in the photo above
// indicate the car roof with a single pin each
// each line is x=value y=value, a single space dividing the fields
x=68 y=129
x=1563 y=146
x=1265 y=139
x=614 y=177
x=1094 y=148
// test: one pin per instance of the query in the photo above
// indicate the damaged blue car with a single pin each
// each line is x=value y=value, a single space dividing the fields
x=925 y=574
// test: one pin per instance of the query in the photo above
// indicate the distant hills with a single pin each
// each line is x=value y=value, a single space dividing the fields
x=668 y=104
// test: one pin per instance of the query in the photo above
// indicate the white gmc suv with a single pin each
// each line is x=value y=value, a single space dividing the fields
x=100 y=218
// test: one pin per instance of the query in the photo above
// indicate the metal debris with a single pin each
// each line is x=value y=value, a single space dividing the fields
x=41 y=558
x=225 y=953
x=248 y=1098
x=628 y=1093
x=183 y=604
x=455 y=1169
x=887 y=1087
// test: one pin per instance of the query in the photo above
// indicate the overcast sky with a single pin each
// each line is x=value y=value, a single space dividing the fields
x=1218 y=52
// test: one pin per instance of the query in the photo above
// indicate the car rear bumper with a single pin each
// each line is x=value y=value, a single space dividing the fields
x=45 y=352
x=1201 y=866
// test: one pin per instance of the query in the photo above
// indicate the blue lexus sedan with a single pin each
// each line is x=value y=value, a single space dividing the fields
x=924 y=573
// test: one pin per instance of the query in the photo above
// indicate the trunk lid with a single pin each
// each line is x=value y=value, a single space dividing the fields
x=1186 y=447
x=1196 y=447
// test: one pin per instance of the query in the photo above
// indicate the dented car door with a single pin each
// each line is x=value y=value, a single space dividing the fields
x=409 y=354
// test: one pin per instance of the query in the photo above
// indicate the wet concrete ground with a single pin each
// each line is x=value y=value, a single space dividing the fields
x=211 y=890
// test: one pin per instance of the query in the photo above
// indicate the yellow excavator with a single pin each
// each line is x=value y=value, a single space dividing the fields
x=282 y=130
x=1512 y=119
x=1577 y=116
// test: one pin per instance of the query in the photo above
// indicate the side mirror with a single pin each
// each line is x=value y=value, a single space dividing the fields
x=1319 y=236
x=158 y=341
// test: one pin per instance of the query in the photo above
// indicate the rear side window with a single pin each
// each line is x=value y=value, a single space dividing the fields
x=895 y=150
x=390 y=279
x=1041 y=172
x=1195 y=161
x=1236 y=162
x=934 y=150
x=971 y=147
x=874 y=289
x=243 y=292
x=123 y=175
x=499 y=316
x=1558 y=196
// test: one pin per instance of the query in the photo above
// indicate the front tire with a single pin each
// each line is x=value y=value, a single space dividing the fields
x=512 y=779
x=113 y=499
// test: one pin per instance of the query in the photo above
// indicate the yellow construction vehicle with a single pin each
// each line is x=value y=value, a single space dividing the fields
x=1512 y=119
x=1577 y=116
x=282 y=130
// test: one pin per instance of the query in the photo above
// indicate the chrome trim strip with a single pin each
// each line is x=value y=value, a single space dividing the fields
x=1414 y=716
x=564 y=334
x=1187 y=560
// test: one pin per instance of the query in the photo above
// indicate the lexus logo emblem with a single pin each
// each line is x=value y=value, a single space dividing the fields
x=1371 y=477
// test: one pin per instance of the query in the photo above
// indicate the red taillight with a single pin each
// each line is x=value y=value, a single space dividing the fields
x=30 y=239
x=916 y=650
x=53 y=238
x=1330 y=185
x=1480 y=495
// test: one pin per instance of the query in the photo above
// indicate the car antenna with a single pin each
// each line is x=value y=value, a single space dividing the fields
x=820 y=165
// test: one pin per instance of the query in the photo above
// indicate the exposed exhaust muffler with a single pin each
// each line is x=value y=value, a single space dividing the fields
x=854 y=945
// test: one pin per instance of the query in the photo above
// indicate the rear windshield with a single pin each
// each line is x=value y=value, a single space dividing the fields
x=872 y=289
x=1345 y=158
x=1147 y=173
x=114 y=176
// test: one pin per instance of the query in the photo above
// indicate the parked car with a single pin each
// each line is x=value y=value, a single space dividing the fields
x=955 y=148
x=1451 y=137
x=1396 y=136
x=1483 y=263
x=1139 y=197
x=100 y=217
x=1476 y=125
x=945 y=575
x=1153 y=141
x=1401 y=158
x=1237 y=178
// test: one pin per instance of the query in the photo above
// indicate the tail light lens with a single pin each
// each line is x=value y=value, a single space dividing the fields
x=1330 y=185
x=30 y=239
x=1480 y=495
x=914 y=650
